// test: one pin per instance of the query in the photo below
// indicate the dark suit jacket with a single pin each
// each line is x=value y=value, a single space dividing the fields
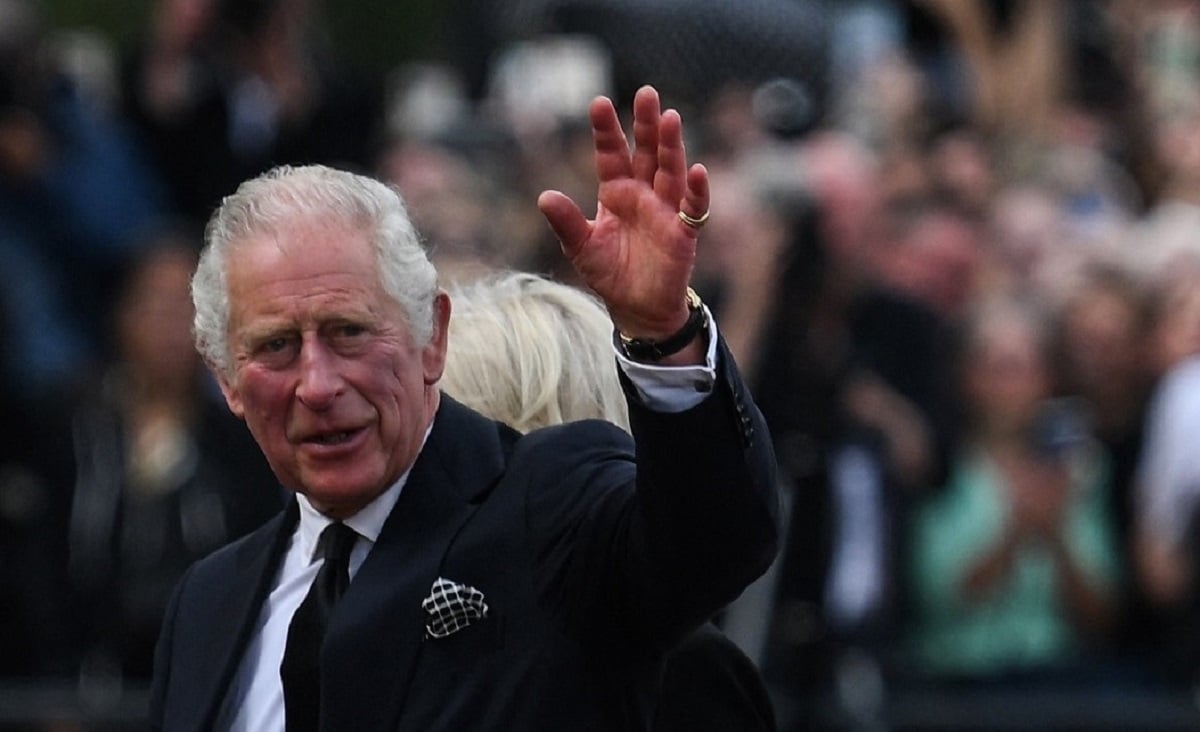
x=593 y=563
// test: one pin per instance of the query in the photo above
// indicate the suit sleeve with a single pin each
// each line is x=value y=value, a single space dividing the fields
x=645 y=548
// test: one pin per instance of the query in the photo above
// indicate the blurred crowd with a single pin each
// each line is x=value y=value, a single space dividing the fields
x=956 y=251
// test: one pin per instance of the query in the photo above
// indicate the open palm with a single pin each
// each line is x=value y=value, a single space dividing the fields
x=636 y=254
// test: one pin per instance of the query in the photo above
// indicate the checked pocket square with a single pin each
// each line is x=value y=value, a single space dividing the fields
x=452 y=606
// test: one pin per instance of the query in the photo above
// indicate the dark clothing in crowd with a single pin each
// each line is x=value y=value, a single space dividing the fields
x=131 y=537
x=228 y=130
x=32 y=553
x=710 y=684
x=822 y=335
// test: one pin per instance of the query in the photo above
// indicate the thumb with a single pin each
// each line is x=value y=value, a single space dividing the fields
x=566 y=220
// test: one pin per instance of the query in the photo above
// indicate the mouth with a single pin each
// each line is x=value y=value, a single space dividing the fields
x=332 y=442
x=331 y=438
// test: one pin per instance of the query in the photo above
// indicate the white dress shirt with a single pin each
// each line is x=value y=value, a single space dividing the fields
x=255 y=700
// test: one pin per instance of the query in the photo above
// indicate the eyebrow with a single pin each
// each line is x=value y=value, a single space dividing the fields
x=254 y=336
x=272 y=326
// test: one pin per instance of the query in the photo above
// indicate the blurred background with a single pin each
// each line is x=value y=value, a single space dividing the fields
x=955 y=247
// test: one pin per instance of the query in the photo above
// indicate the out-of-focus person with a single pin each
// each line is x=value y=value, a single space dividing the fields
x=76 y=190
x=163 y=474
x=1013 y=566
x=224 y=89
x=1103 y=328
x=1166 y=499
x=849 y=373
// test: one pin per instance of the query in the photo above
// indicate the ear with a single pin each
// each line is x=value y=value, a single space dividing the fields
x=230 y=392
x=433 y=355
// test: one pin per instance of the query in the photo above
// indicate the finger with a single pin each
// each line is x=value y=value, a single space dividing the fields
x=611 y=147
x=566 y=220
x=646 y=117
x=669 y=179
x=696 y=200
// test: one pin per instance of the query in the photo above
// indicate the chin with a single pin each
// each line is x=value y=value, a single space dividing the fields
x=340 y=506
x=343 y=499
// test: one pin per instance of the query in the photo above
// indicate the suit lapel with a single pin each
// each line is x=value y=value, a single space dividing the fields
x=236 y=609
x=378 y=628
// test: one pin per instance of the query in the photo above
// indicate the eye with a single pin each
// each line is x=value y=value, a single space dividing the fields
x=276 y=351
x=351 y=330
x=348 y=330
x=348 y=338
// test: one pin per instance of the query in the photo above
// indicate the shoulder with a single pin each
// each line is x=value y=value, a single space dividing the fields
x=567 y=473
x=214 y=570
x=590 y=435
x=568 y=448
x=472 y=453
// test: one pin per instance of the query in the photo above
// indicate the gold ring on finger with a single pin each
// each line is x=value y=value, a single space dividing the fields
x=695 y=223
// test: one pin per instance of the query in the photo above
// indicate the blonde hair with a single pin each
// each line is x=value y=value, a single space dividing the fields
x=532 y=352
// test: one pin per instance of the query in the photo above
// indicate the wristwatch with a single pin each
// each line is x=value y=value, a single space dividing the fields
x=640 y=349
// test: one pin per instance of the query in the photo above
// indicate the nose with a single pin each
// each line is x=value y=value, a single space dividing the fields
x=320 y=381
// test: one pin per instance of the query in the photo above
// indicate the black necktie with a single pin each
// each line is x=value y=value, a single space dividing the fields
x=301 y=667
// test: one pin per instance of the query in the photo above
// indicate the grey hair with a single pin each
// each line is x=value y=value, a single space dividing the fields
x=532 y=352
x=279 y=197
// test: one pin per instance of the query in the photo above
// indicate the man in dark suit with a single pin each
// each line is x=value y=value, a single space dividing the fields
x=491 y=580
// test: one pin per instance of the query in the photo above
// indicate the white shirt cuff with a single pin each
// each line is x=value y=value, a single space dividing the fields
x=674 y=388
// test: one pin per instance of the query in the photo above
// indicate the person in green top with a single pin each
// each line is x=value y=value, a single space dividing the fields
x=1014 y=563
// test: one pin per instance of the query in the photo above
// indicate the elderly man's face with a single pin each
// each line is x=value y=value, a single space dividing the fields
x=325 y=369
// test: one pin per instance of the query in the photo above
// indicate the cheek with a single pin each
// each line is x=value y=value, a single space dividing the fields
x=264 y=401
x=401 y=391
x=397 y=391
x=395 y=371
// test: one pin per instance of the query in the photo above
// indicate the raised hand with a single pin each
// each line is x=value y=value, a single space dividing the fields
x=638 y=252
